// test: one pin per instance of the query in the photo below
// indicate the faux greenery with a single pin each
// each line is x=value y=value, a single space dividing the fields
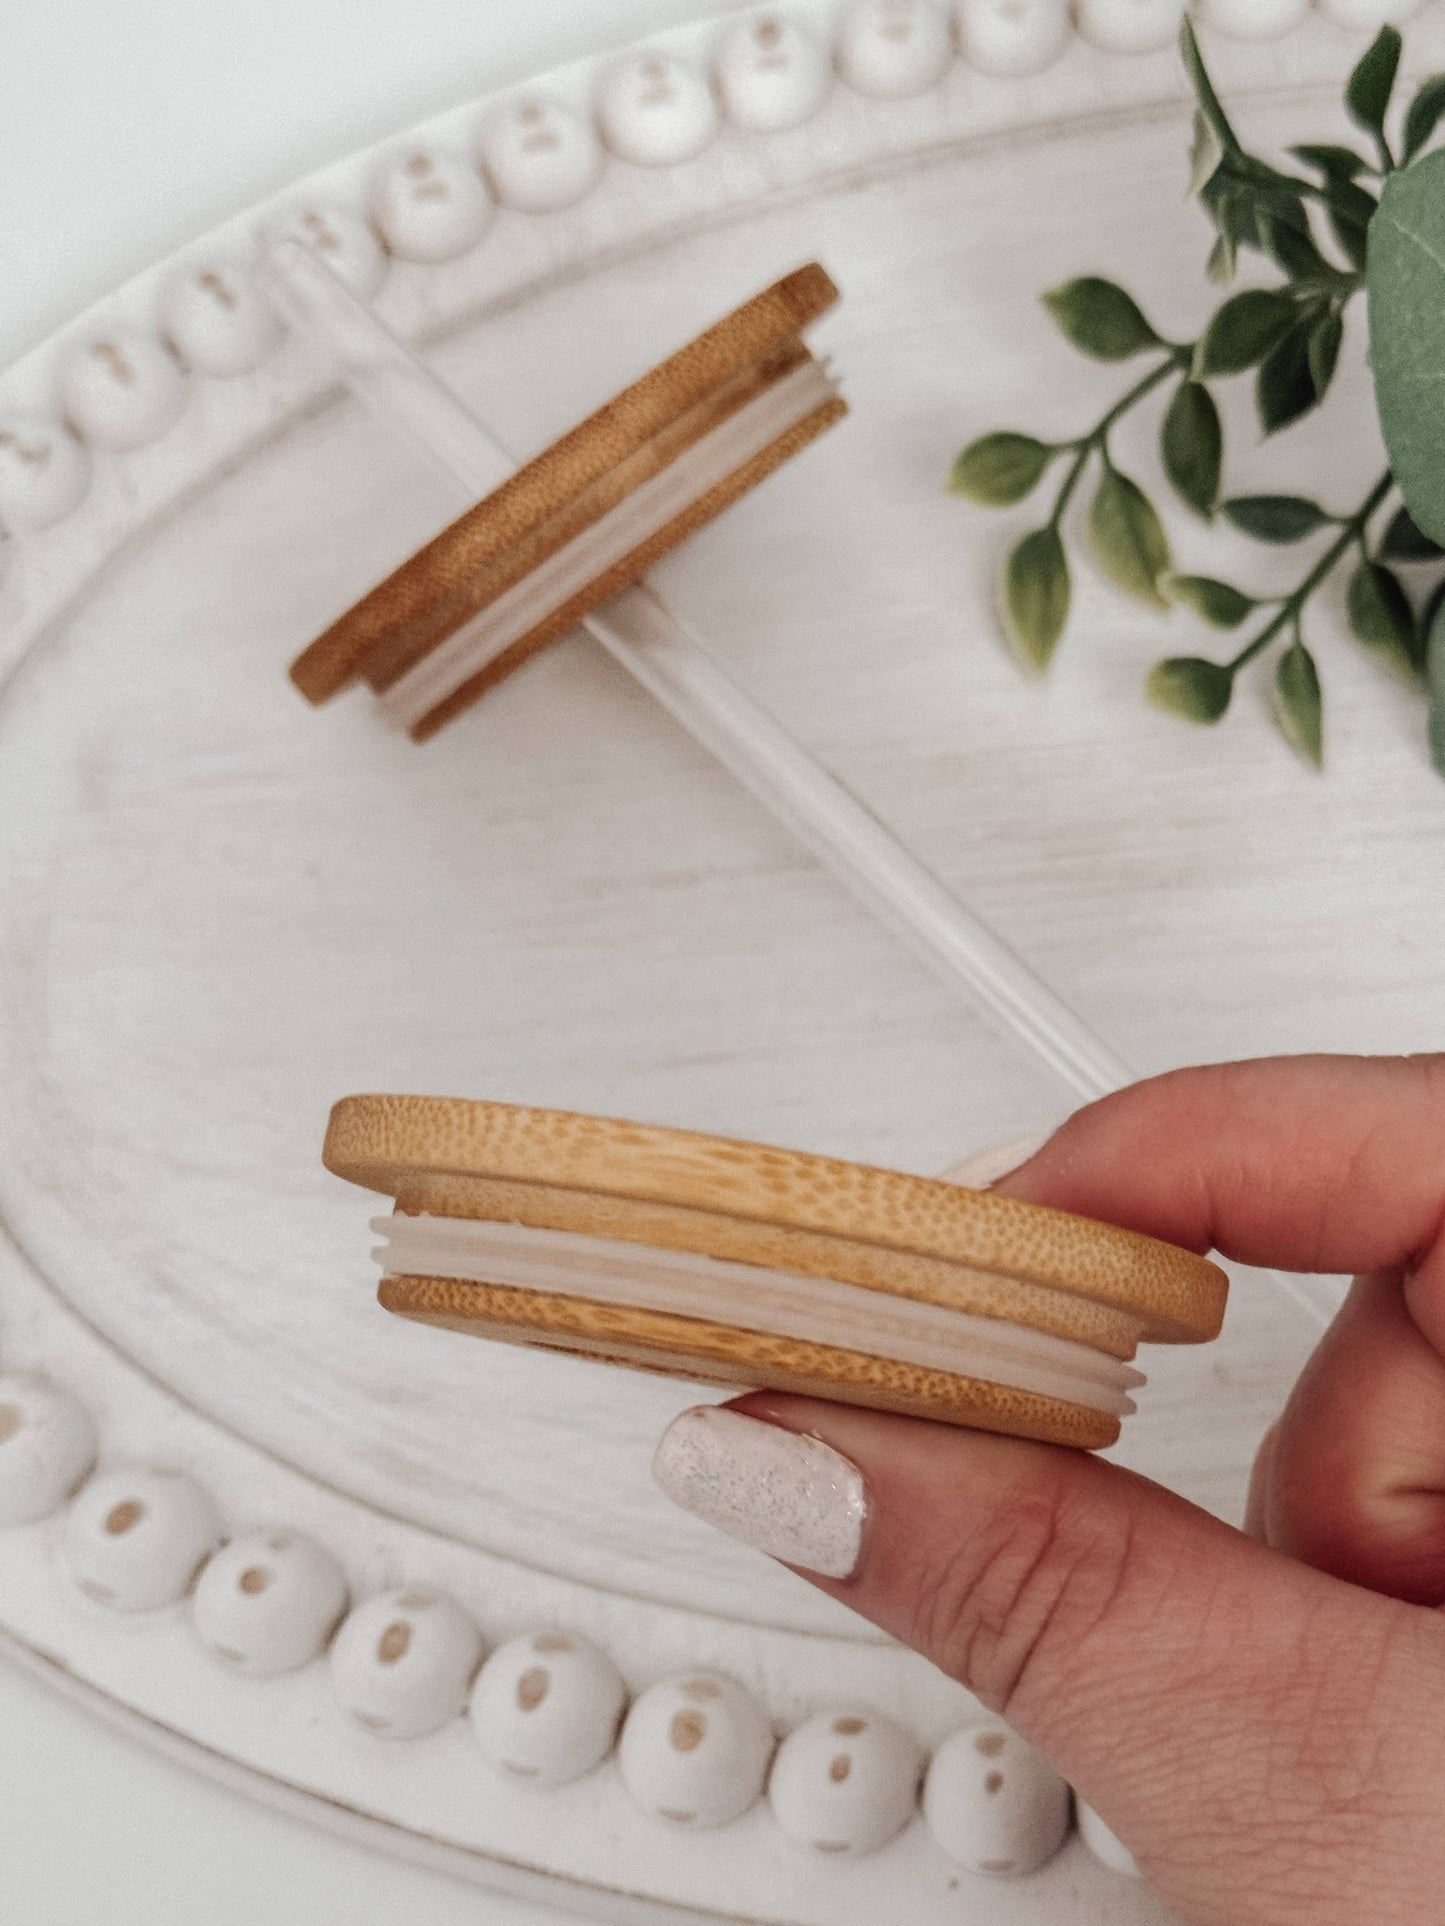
x=1344 y=220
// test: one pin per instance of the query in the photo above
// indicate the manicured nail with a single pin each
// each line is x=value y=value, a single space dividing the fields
x=790 y=1496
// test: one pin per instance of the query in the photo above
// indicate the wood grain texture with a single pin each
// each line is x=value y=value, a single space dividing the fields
x=218 y=910
x=386 y=1141
x=635 y=563
x=851 y=1260
x=711 y=1353
x=568 y=487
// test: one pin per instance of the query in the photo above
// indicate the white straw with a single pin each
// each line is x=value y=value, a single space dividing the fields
x=671 y=661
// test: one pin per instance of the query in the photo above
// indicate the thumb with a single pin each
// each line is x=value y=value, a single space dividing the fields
x=1195 y=1687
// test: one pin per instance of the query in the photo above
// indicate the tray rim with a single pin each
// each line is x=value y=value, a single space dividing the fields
x=222 y=425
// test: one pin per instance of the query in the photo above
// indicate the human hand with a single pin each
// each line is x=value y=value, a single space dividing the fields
x=1258 y=1717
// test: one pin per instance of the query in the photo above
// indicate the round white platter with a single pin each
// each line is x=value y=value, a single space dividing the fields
x=219 y=911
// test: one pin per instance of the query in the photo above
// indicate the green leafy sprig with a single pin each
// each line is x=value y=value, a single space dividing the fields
x=1314 y=228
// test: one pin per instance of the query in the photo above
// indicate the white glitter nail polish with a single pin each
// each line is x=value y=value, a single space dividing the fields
x=792 y=1497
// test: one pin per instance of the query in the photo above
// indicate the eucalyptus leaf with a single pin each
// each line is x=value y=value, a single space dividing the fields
x=1435 y=683
x=1275 y=518
x=1100 y=319
x=1036 y=596
x=1371 y=84
x=1335 y=163
x=1424 y=116
x=1380 y=617
x=1437 y=734
x=1293 y=250
x=1406 y=283
x=1191 y=445
x=1243 y=331
x=1221 y=606
x=1000 y=469
x=1285 y=385
x=1209 y=103
x=1128 y=538
x=1349 y=210
x=1223 y=261
x=1192 y=687
x=1403 y=542
x=1205 y=153
x=1298 y=703
x=1323 y=351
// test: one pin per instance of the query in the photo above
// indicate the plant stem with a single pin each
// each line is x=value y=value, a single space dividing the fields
x=1290 y=609
x=1097 y=441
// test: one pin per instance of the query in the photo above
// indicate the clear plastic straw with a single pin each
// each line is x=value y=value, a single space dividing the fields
x=672 y=663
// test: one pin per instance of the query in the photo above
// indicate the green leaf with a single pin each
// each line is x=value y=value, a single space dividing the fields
x=1222 y=262
x=1368 y=94
x=1100 y=319
x=1128 y=538
x=1293 y=250
x=1204 y=92
x=1036 y=594
x=1206 y=151
x=1190 y=686
x=1435 y=682
x=1424 y=116
x=1404 y=542
x=1000 y=469
x=1298 y=703
x=1221 y=606
x=1349 y=210
x=1191 y=443
x=1325 y=339
x=1285 y=385
x=1406 y=283
x=1275 y=518
x=1243 y=331
x=1335 y=163
x=1380 y=617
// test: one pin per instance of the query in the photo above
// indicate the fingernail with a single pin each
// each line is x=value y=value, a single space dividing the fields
x=790 y=1496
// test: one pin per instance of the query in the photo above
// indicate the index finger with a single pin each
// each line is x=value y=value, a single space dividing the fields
x=1321 y=1164
x=1306 y=1163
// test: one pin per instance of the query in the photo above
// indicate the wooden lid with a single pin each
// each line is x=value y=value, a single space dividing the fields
x=449 y=1156
x=569 y=488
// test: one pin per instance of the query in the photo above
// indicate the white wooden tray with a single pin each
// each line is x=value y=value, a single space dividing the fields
x=218 y=911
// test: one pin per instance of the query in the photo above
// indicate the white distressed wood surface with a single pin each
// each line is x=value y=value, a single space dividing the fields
x=218 y=911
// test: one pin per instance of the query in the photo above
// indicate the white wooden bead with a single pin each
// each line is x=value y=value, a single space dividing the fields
x=218 y=320
x=540 y=155
x=342 y=240
x=1366 y=16
x=403 y=1662
x=695 y=1750
x=430 y=206
x=1129 y=26
x=993 y=1804
x=47 y=1445
x=772 y=75
x=1251 y=19
x=545 y=1708
x=268 y=1602
x=656 y=110
x=44 y=472
x=1108 y=1850
x=121 y=389
x=846 y=1782
x=136 y=1539
x=892 y=49
x=1013 y=36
